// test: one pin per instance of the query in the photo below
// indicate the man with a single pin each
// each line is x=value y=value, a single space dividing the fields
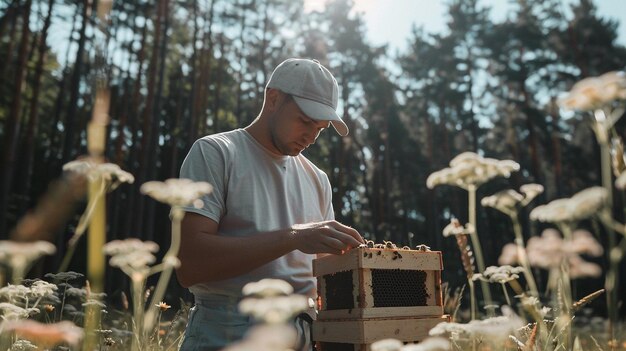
x=270 y=209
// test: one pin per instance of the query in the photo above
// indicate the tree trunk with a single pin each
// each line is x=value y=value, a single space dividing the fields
x=156 y=119
x=218 y=85
x=176 y=133
x=147 y=118
x=240 y=60
x=260 y=83
x=205 y=73
x=70 y=120
x=33 y=121
x=11 y=12
x=55 y=147
x=11 y=17
x=134 y=129
x=12 y=130
x=193 y=110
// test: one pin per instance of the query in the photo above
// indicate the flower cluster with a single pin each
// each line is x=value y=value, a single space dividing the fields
x=132 y=255
x=21 y=254
x=499 y=274
x=495 y=327
x=470 y=169
x=582 y=205
x=549 y=250
x=428 y=344
x=455 y=228
x=110 y=173
x=266 y=337
x=595 y=92
x=177 y=191
x=45 y=335
x=507 y=201
x=269 y=300
x=268 y=288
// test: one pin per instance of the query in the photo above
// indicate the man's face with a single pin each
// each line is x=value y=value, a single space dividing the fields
x=291 y=130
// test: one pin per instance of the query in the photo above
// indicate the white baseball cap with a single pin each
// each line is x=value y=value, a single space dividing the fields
x=312 y=87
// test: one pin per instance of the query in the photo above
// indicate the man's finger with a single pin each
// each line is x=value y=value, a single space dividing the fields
x=345 y=238
x=348 y=230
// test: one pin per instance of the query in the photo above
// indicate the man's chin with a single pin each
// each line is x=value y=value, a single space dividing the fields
x=294 y=153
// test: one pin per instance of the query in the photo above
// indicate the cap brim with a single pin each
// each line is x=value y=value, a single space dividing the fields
x=322 y=112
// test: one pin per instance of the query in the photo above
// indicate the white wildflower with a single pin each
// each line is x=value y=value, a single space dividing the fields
x=176 y=191
x=620 y=182
x=509 y=255
x=584 y=243
x=273 y=336
x=13 y=312
x=549 y=250
x=132 y=256
x=506 y=167
x=22 y=254
x=268 y=287
x=22 y=345
x=444 y=328
x=117 y=247
x=494 y=327
x=171 y=261
x=42 y=288
x=588 y=202
x=14 y=292
x=45 y=335
x=532 y=302
x=135 y=260
x=455 y=228
x=470 y=169
x=110 y=173
x=245 y=345
x=387 y=345
x=579 y=268
x=429 y=344
x=555 y=211
x=530 y=191
x=582 y=205
x=594 y=92
x=499 y=274
x=21 y=294
x=467 y=157
x=272 y=310
x=505 y=201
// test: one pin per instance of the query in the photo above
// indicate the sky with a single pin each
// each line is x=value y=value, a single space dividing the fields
x=390 y=21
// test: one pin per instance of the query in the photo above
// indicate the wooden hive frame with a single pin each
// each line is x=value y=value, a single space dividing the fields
x=358 y=335
x=377 y=283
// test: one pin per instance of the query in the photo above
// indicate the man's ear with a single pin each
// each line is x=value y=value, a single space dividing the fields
x=273 y=97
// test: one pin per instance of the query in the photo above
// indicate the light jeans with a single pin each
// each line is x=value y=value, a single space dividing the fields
x=215 y=322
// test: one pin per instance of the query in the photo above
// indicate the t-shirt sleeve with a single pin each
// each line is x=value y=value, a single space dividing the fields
x=329 y=213
x=206 y=162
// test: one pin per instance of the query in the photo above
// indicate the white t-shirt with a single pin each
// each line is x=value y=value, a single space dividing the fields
x=255 y=190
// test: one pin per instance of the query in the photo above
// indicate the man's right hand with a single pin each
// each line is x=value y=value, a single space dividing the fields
x=325 y=237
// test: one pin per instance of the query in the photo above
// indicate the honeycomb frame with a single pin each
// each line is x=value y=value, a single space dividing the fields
x=421 y=292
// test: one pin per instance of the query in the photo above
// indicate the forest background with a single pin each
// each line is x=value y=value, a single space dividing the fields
x=179 y=70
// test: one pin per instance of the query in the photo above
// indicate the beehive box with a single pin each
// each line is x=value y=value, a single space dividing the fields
x=358 y=335
x=379 y=282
